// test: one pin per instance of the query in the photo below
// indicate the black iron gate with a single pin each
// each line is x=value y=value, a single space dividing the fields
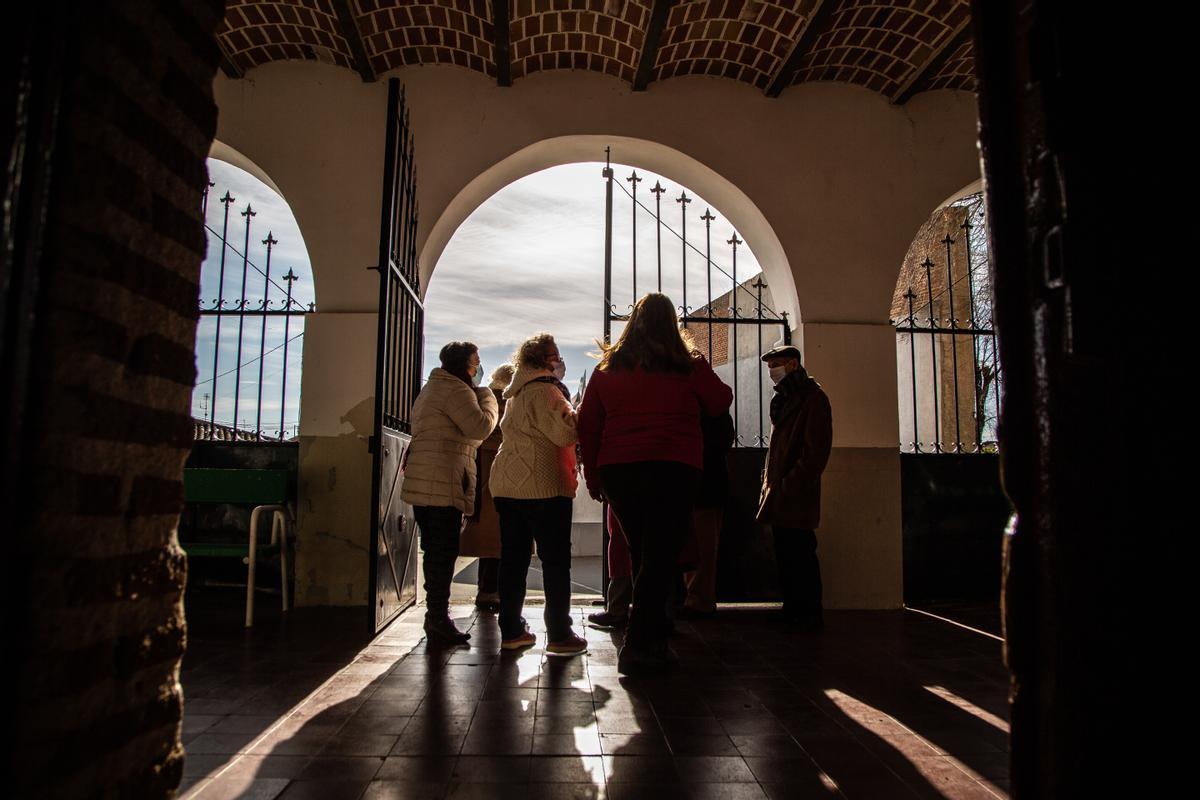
x=273 y=317
x=950 y=375
x=732 y=329
x=393 y=567
x=950 y=383
x=715 y=324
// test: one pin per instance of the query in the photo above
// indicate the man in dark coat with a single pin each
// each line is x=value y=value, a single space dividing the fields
x=801 y=437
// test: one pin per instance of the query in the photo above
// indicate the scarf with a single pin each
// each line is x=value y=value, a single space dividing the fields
x=789 y=393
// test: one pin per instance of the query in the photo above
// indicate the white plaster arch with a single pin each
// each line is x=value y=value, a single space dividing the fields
x=223 y=151
x=974 y=187
x=230 y=155
x=725 y=196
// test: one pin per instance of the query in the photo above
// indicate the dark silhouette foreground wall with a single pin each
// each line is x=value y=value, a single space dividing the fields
x=1067 y=190
x=113 y=117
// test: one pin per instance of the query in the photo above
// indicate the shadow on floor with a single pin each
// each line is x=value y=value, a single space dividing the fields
x=881 y=705
x=585 y=577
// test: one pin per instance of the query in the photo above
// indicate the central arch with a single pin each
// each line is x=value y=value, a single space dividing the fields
x=735 y=204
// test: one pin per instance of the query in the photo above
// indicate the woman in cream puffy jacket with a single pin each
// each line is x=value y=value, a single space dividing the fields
x=450 y=419
x=533 y=482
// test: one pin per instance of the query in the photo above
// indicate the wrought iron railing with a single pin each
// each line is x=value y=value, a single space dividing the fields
x=949 y=370
x=715 y=324
x=246 y=309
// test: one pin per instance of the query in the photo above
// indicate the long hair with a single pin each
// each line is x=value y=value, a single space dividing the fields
x=651 y=340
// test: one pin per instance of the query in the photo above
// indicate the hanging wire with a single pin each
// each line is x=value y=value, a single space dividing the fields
x=251 y=361
x=774 y=314
x=239 y=253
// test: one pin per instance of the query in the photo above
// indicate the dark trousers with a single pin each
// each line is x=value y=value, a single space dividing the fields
x=547 y=522
x=440 y=527
x=489 y=575
x=799 y=570
x=653 y=500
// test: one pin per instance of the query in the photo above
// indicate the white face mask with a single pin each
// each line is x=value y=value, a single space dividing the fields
x=778 y=374
x=560 y=369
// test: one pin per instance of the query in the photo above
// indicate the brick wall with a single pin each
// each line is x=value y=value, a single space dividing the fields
x=430 y=32
x=720 y=335
x=733 y=39
x=98 y=702
x=879 y=45
x=866 y=42
x=928 y=243
x=578 y=34
x=747 y=305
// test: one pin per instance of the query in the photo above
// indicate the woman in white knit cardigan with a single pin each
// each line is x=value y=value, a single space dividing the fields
x=533 y=482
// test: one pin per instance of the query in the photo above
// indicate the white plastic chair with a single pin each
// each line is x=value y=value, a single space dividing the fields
x=281 y=518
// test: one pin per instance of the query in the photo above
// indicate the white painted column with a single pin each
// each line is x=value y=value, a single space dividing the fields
x=336 y=421
x=859 y=541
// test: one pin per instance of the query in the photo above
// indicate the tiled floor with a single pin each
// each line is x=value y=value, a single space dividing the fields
x=881 y=705
x=585 y=578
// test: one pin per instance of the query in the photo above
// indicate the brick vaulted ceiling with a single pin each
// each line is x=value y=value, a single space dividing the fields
x=895 y=47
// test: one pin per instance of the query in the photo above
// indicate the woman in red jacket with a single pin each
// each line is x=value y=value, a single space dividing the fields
x=639 y=436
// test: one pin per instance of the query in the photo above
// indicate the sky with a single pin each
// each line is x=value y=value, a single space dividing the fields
x=271 y=214
x=530 y=258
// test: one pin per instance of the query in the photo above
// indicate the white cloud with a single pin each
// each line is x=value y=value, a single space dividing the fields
x=531 y=258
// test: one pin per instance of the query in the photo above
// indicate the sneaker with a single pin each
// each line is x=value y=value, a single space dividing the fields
x=606 y=620
x=571 y=645
x=445 y=631
x=526 y=639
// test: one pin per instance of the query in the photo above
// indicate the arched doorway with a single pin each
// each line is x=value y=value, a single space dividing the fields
x=256 y=288
x=949 y=386
x=532 y=256
x=643 y=154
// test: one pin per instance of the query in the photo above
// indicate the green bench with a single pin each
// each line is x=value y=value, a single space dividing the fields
x=266 y=491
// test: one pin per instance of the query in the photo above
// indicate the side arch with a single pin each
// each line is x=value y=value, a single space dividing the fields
x=230 y=155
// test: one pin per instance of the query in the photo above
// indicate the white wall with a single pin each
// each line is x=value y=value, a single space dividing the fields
x=856 y=366
x=827 y=184
x=753 y=387
x=831 y=178
x=908 y=354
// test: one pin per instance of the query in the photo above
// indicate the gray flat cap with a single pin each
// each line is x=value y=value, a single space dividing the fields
x=783 y=351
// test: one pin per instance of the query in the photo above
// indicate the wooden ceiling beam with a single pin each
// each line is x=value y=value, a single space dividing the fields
x=791 y=65
x=228 y=66
x=649 y=57
x=348 y=27
x=501 y=45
